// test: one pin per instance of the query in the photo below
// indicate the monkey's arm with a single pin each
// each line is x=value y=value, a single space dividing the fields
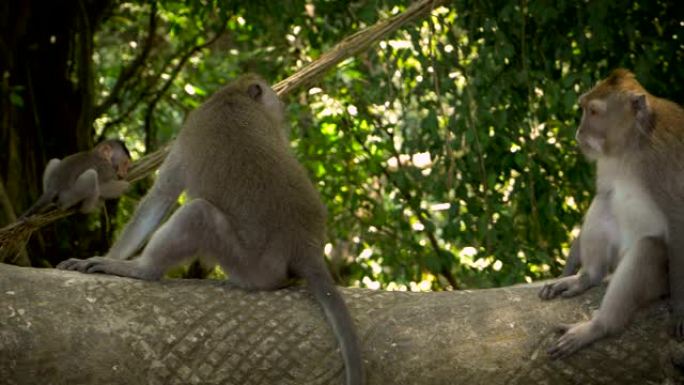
x=151 y=211
x=113 y=189
x=572 y=264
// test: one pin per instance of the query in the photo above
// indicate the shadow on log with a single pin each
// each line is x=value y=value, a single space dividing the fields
x=68 y=328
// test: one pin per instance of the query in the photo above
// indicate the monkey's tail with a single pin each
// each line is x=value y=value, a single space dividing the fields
x=41 y=204
x=322 y=286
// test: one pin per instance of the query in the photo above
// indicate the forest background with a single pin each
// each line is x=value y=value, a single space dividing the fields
x=445 y=153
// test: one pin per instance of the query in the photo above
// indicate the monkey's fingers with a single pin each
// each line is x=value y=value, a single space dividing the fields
x=565 y=346
x=73 y=264
x=546 y=292
x=100 y=265
x=553 y=290
x=131 y=269
x=563 y=327
x=573 y=291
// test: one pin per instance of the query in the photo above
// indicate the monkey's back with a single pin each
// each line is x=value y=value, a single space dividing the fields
x=263 y=189
x=661 y=164
x=72 y=166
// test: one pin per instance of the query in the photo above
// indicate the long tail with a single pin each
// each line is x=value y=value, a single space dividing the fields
x=43 y=202
x=322 y=286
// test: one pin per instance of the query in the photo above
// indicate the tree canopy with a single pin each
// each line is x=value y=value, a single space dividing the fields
x=445 y=153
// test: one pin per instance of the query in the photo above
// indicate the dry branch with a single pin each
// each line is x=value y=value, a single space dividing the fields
x=354 y=45
x=14 y=236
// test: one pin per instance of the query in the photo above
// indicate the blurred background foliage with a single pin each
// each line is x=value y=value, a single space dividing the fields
x=445 y=154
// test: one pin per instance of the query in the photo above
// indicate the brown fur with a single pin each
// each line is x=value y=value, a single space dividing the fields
x=253 y=209
x=638 y=141
x=82 y=179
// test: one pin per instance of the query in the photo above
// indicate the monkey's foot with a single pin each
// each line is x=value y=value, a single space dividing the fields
x=565 y=287
x=108 y=266
x=575 y=337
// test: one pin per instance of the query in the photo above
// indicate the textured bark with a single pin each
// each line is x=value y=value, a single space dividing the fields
x=68 y=328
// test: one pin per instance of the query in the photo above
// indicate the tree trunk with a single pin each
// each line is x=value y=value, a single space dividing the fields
x=69 y=328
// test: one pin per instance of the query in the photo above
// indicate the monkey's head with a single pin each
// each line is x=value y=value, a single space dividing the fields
x=616 y=116
x=256 y=89
x=115 y=152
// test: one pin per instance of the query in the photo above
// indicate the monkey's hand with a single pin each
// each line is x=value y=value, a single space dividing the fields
x=110 y=266
x=575 y=337
x=113 y=189
x=565 y=287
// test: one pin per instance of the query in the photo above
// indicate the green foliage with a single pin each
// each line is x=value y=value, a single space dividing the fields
x=444 y=153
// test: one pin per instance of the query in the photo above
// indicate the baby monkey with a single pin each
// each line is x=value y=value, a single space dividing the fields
x=82 y=179
x=252 y=208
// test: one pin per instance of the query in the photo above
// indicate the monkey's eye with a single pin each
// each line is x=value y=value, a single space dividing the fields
x=592 y=111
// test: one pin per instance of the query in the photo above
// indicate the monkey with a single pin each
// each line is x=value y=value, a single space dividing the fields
x=83 y=178
x=635 y=224
x=573 y=261
x=252 y=208
x=595 y=250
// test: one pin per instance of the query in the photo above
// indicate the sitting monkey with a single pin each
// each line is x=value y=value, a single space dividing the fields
x=635 y=224
x=82 y=179
x=252 y=208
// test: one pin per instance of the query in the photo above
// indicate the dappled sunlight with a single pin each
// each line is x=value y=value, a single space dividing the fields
x=444 y=152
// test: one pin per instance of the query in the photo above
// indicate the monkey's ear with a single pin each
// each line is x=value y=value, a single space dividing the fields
x=642 y=111
x=105 y=150
x=254 y=91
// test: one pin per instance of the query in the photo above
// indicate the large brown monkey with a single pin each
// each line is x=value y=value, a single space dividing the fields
x=637 y=216
x=82 y=179
x=253 y=208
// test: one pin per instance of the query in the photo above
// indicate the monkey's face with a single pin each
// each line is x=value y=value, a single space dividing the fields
x=591 y=133
x=607 y=126
x=121 y=166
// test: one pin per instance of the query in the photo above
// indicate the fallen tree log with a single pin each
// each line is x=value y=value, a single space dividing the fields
x=61 y=327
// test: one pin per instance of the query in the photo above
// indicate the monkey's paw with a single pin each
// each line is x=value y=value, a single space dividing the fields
x=565 y=287
x=81 y=265
x=575 y=337
x=104 y=265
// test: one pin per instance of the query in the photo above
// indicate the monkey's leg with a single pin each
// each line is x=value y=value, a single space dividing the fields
x=196 y=228
x=49 y=170
x=569 y=286
x=151 y=211
x=573 y=262
x=593 y=247
x=639 y=279
x=84 y=191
